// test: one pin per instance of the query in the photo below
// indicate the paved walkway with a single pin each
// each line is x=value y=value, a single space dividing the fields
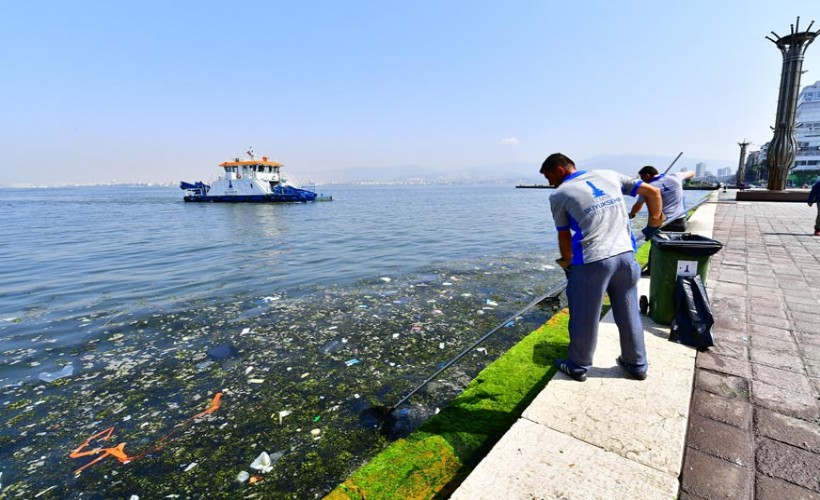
x=754 y=426
x=750 y=426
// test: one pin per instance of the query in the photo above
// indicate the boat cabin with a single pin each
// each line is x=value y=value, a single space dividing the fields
x=265 y=170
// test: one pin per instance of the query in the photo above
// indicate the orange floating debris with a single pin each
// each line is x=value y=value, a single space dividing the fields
x=118 y=451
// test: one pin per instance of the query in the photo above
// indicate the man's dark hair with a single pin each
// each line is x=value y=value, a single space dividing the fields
x=556 y=160
x=648 y=170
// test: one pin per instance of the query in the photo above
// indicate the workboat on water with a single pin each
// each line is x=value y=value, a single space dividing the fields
x=250 y=181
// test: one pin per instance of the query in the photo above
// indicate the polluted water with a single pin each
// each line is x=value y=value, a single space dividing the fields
x=264 y=395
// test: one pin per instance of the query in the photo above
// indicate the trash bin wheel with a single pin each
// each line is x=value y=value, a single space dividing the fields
x=644 y=305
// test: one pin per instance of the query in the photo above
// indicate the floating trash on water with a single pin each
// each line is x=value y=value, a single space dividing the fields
x=134 y=497
x=332 y=346
x=441 y=345
x=480 y=311
x=45 y=491
x=305 y=375
x=491 y=303
x=224 y=351
x=256 y=380
x=243 y=476
x=317 y=418
x=482 y=350
x=351 y=362
x=268 y=300
x=283 y=414
x=245 y=331
x=437 y=311
x=202 y=366
x=356 y=396
x=248 y=370
x=510 y=324
x=447 y=283
x=67 y=371
x=315 y=432
x=190 y=466
x=262 y=463
x=385 y=279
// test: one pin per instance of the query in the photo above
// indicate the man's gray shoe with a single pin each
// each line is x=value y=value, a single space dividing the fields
x=633 y=374
x=577 y=374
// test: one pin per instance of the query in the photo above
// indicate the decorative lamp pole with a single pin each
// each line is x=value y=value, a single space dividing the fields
x=782 y=149
x=741 y=165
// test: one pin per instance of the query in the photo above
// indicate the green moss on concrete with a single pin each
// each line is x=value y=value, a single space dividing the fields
x=642 y=255
x=434 y=460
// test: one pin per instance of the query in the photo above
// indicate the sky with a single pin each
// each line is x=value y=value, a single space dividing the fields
x=161 y=91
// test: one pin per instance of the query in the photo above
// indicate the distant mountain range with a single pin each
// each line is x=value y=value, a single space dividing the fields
x=512 y=173
x=501 y=173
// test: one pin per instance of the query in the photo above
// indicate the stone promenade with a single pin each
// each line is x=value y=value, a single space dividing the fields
x=754 y=425
x=740 y=421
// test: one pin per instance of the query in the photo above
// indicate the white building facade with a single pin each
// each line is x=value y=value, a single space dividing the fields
x=807 y=131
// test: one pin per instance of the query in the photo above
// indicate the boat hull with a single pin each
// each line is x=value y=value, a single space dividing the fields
x=302 y=197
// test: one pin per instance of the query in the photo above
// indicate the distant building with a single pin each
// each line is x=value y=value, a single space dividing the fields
x=807 y=131
x=700 y=169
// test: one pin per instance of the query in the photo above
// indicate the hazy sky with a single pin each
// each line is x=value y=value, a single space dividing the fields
x=165 y=90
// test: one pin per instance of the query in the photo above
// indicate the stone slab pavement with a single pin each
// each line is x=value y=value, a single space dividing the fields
x=739 y=421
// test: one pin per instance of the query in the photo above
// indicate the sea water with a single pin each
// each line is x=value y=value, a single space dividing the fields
x=126 y=307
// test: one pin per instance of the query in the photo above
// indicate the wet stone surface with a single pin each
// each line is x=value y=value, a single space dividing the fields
x=299 y=376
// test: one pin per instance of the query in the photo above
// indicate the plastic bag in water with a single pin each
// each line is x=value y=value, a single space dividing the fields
x=67 y=371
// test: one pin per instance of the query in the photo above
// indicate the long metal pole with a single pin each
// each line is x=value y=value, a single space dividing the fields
x=673 y=162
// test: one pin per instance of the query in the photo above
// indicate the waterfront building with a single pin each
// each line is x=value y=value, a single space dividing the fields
x=700 y=169
x=807 y=131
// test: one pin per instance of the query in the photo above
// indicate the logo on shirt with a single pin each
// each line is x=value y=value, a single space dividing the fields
x=596 y=192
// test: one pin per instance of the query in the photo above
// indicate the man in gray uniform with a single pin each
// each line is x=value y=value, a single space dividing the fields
x=597 y=252
x=671 y=186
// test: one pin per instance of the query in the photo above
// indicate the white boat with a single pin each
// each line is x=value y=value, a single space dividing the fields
x=250 y=181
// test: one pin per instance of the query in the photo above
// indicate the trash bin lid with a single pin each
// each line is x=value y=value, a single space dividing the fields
x=686 y=243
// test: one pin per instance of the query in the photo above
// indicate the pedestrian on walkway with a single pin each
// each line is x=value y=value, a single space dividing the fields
x=598 y=255
x=814 y=197
x=671 y=186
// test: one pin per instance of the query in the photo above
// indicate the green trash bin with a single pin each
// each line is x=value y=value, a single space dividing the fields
x=673 y=255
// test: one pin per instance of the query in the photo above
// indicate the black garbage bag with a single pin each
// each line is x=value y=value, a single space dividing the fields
x=693 y=320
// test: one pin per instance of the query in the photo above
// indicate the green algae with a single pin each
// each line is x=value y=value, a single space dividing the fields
x=147 y=376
